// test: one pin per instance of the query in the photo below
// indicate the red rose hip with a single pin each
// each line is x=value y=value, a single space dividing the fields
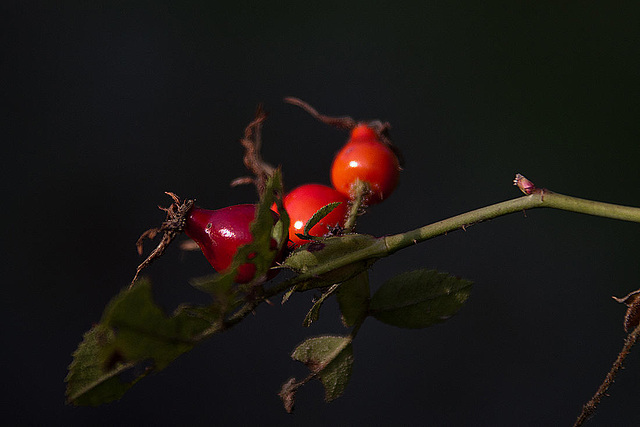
x=219 y=233
x=302 y=202
x=364 y=157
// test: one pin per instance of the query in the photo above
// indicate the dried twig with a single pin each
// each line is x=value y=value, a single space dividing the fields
x=590 y=407
x=171 y=227
x=252 y=142
x=632 y=317
x=345 y=122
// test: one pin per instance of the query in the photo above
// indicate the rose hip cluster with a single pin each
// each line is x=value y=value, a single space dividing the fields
x=365 y=158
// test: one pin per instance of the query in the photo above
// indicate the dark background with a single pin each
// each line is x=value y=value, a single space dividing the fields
x=106 y=106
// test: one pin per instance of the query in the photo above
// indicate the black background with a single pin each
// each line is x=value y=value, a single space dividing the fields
x=108 y=105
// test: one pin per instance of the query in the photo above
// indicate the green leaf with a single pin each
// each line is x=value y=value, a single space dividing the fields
x=353 y=298
x=221 y=287
x=288 y=293
x=317 y=217
x=331 y=358
x=134 y=335
x=143 y=331
x=262 y=228
x=314 y=313
x=420 y=298
x=92 y=380
x=275 y=191
x=336 y=250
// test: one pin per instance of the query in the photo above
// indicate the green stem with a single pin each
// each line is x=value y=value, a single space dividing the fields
x=390 y=244
x=385 y=246
x=361 y=189
x=215 y=328
x=589 y=207
x=539 y=199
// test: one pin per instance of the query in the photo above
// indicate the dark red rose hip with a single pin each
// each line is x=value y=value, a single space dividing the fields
x=219 y=233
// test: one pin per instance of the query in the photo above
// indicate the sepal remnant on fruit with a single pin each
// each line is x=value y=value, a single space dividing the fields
x=170 y=228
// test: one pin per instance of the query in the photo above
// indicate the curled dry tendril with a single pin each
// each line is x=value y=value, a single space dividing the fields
x=171 y=227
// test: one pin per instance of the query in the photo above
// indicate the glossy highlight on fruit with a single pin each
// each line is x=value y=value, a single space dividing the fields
x=366 y=158
x=219 y=233
x=302 y=202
